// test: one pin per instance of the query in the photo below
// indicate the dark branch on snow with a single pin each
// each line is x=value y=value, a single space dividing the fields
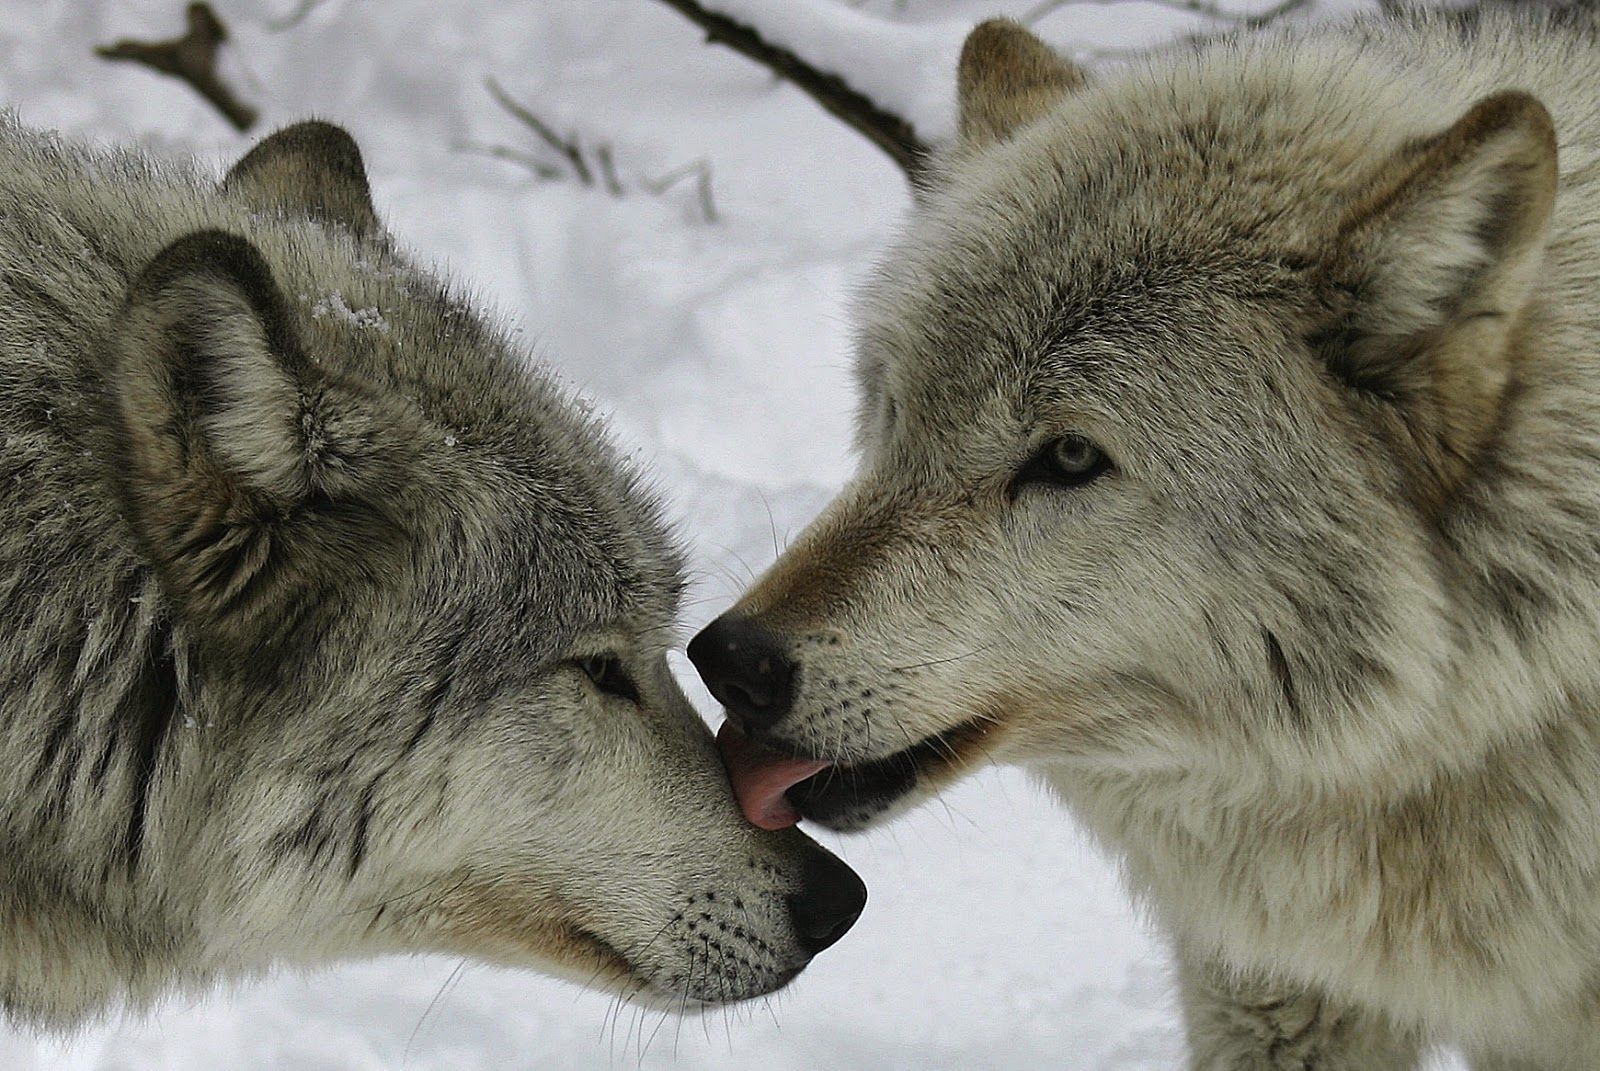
x=191 y=58
x=892 y=133
x=569 y=149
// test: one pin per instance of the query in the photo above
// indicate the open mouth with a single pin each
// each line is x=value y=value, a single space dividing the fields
x=775 y=789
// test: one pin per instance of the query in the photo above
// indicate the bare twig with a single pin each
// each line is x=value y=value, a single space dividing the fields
x=602 y=172
x=702 y=186
x=293 y=18
x=191 y=58
x=1204 y=8
x=541 y=170
x=568 y=148
x=701 y=170
x=891 y=133
x=608 y=170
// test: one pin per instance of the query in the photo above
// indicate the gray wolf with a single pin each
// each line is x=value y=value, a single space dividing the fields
x=1229 y=442
x=333 y=626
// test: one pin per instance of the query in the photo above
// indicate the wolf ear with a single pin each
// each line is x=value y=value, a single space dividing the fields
x=1006 y=79
x=222 y=451
x=311 y=168
x=1445 y=253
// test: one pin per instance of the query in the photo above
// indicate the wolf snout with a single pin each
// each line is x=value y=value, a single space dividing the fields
x=830 y=900
x=745 y=669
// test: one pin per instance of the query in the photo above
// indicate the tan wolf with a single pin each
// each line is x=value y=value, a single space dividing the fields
x=333 y=626
x=1230 y=456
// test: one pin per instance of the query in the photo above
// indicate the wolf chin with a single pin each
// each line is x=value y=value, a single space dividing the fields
x=333 y=626
x=1230 y=457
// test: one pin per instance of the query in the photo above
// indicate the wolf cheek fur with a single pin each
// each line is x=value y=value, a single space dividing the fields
x=1315 y=652
x=308 y=574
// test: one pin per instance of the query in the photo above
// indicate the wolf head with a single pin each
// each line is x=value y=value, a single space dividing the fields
x=420 y=608
x=1162 y=398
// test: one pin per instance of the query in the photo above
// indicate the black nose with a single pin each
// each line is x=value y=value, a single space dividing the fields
x=745 y=669
x=829 y=902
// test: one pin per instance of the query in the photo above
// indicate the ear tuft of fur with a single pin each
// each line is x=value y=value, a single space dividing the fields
x=210 y=404
x=313 y=169
x=1442 y=258
x=1455 y=223
x=1006 y=79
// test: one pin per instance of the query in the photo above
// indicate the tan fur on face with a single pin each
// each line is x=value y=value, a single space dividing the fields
x=1315 y=656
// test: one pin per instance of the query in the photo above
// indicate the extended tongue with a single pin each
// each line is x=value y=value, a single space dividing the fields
x=761 y=776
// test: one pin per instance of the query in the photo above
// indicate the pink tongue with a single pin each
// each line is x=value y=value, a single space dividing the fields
x=761 y=776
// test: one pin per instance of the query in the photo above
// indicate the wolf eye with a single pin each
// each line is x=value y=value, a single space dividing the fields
x=1070 y=461
x=608 y=675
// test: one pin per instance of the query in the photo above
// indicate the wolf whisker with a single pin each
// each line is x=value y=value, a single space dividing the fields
x=777 y=551
x=666 y=1013
x=683 y=1007
x=940 y=661
x=405 y=1056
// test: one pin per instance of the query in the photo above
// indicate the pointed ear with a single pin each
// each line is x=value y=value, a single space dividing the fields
x=1440 y=262
x=1007 y=78
x=226 y=444
x=310 y=169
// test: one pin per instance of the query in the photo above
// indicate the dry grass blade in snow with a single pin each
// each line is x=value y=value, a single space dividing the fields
x=595 y=167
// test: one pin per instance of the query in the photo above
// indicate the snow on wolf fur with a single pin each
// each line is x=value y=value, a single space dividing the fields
x=332 y=627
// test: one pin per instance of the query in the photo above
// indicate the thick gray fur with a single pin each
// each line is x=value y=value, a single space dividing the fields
x=302 y=561
x=1318 y=653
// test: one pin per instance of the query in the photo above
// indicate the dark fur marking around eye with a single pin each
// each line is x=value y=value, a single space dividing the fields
x=1279 y=664
x=610 y=676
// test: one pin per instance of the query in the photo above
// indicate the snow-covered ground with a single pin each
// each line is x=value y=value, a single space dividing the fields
x=996 y=937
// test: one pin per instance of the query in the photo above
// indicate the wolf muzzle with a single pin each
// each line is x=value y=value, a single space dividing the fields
x=746 y=670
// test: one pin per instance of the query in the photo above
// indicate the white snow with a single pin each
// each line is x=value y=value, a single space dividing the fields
x=334 y=306
x=996 y=938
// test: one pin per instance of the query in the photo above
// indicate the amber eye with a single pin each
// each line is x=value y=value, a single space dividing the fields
x=1070 y=461
x=608 y=675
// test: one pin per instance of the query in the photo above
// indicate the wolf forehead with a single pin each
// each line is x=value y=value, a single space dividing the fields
x=537 y=501
x=1118 y=221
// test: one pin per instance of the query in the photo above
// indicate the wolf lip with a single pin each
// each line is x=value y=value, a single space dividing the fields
x=847 y=796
